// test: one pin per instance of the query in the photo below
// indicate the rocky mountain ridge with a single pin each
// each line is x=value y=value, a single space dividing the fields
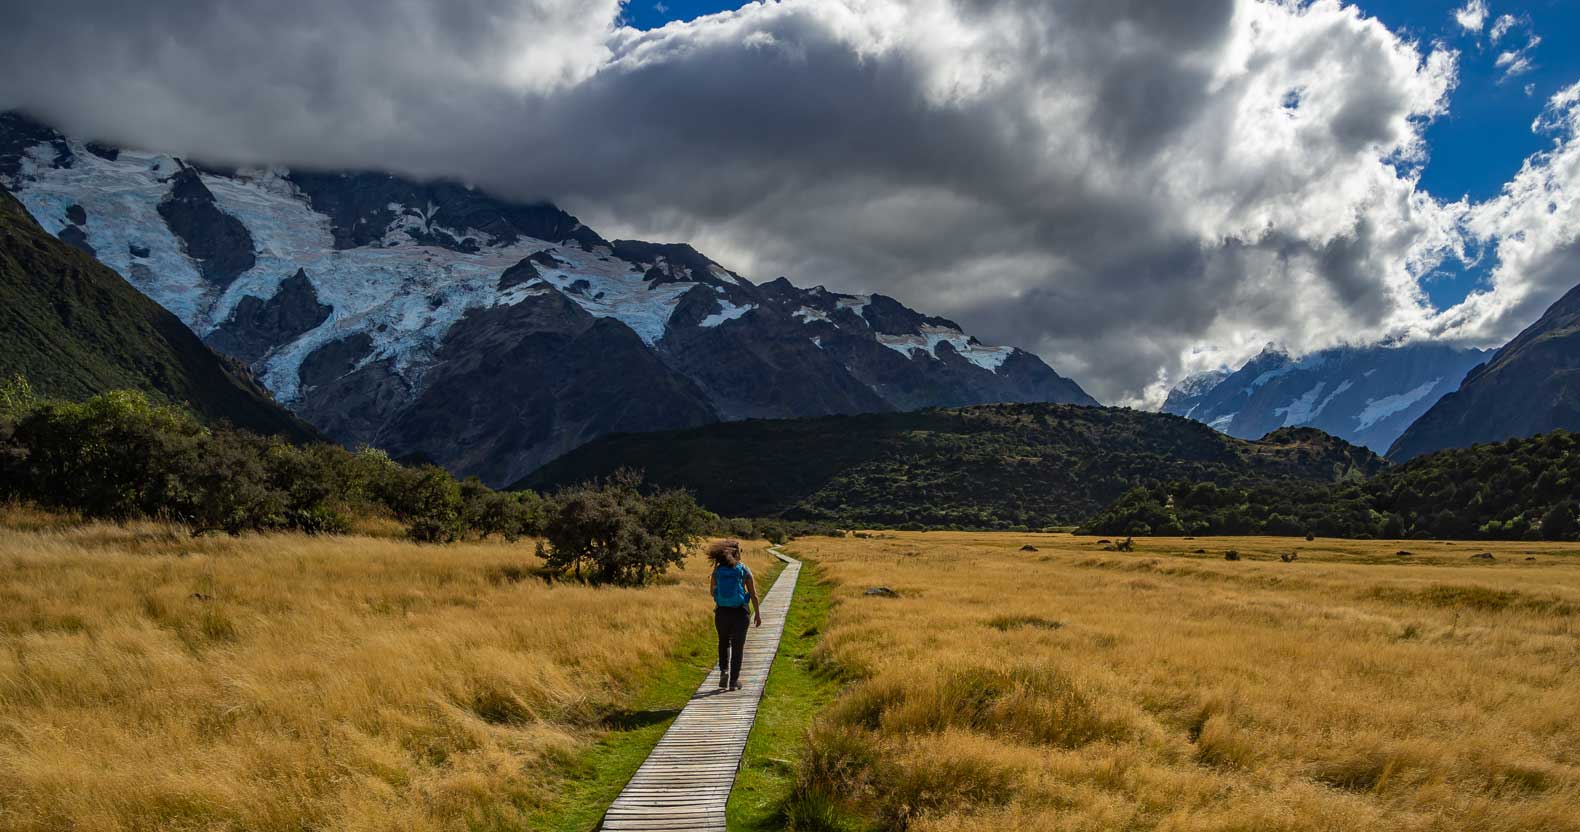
x=74 y=328
x=441 y=323
x=1530 y=386
x=1365 y=395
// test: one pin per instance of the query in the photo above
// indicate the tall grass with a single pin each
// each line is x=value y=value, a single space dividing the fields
x=1170 y=689
x=151 y=681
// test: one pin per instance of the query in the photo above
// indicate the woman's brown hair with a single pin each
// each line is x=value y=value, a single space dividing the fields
x=724 y=552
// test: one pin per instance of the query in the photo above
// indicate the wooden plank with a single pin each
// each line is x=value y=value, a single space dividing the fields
x=685 y=782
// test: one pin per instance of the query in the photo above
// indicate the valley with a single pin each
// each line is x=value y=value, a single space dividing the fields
x=446 y=325
x=1380 y=685
x=790 y=416
x=153 y=682
x=1013 y=679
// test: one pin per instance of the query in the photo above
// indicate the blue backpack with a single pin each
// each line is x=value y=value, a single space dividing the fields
x=729 y=589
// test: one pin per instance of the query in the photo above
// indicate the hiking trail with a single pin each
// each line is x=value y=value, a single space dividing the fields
x=685 y=782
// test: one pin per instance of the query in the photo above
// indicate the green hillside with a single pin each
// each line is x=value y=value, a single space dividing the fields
x=991 y=466
x=1521 y=489
x=75 y=328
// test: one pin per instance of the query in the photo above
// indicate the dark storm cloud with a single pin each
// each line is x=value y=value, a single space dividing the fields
x=1111 y=184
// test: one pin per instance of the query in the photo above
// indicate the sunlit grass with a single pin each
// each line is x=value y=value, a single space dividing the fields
x=797 y=689
x=1073 y=688
x=152 y=681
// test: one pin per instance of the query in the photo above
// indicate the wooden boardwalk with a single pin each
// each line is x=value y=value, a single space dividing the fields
x=685 y=782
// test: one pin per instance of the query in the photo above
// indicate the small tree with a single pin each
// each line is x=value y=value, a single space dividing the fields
x=110 y=456
x=312 y=483
x=17 y=398
x=430 y=505
x=1558 y=522
x=774 y=533
x=509 y=514
x=227 y=485
x=613 y=534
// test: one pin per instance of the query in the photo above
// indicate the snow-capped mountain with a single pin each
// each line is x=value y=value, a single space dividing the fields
x=1186 y=396
x=1366 y=395
x=438 y=322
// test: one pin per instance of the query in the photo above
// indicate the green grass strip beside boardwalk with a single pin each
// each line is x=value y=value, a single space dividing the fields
x=764 y=798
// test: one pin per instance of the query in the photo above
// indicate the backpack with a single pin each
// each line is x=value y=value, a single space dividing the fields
x=730 y=587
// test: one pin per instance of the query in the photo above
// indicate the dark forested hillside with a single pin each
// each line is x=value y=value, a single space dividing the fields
x=985 y=466
x=1530 y=386
x=1515 y=490
x=74 y=328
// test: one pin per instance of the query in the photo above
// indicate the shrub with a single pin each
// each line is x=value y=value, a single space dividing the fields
x=120 y=456
x=116 y=456
x=430 y=505
x=614 y=534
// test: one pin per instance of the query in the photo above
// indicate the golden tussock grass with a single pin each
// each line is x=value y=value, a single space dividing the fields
x=150 y=681
x=1073 y=688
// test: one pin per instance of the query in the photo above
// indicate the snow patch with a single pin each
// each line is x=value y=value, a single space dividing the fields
x=1302 y=409
x=729 y=313
x=855 y=303
x=807 y=314
x=1221 y=424
x=982 y=355
x=1270 y=375
x=1343 y=385
x=1378 y=409
x=122 y=200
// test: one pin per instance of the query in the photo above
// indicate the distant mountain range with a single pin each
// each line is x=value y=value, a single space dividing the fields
x=990 y=466
x=1364 y=395
x=73 y=328
x=440 y=323
x=1530 y=386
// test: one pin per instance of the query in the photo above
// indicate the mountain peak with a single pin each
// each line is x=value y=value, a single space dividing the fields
x=488 y=335
x=1365 y=395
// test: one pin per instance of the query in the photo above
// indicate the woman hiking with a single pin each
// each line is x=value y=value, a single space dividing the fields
x=732 y=587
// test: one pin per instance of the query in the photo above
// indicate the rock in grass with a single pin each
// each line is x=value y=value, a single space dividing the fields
x=1028 y=548
x=1231 y=555
x=881 y=592
x=1482 y=556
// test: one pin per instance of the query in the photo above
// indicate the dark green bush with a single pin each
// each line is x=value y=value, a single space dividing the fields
x=613 y=533
x=120 y=456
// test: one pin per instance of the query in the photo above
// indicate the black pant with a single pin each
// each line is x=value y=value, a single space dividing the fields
x=732 y=623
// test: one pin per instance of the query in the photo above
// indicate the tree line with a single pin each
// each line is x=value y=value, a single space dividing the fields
x=1519 y=489
x=120 y=456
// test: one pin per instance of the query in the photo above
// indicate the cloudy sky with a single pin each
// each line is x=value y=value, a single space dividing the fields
x=1133 y=189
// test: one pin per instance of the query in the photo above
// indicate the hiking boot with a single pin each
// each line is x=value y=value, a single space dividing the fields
x=724 y=683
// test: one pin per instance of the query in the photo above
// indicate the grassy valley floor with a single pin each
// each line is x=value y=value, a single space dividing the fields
x=1379 y=685
x=151 y=681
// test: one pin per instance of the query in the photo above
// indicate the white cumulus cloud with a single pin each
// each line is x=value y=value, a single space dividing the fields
x=1472 y=16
